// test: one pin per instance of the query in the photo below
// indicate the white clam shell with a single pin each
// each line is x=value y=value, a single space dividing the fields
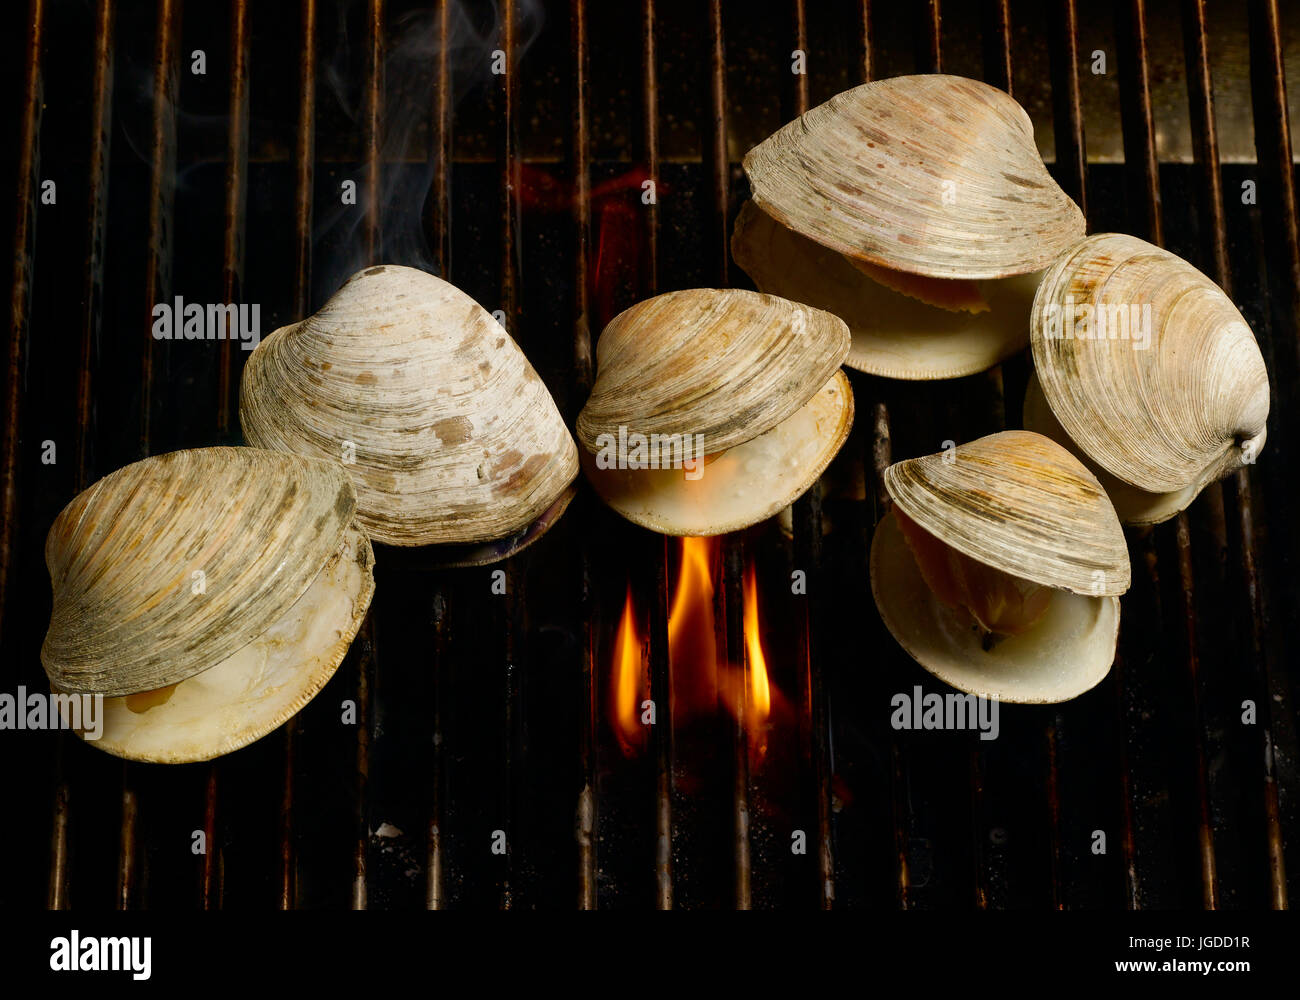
x=1171 y=392
x=934 y=175
x=237 y=575
x=750 y=380
x=448 y=432
x=1021 y=503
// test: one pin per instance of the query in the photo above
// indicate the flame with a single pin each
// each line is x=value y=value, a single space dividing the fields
x=760 y=690
x=629 y=680
x=692 y=643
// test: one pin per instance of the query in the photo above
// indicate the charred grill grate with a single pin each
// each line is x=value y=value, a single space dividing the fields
x=481 y=718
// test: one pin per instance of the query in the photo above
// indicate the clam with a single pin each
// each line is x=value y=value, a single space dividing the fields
x=714 y=408
x=447 y=431
x=207 y=595
x=998 y=568
x=919 y=210
x=1147 y=371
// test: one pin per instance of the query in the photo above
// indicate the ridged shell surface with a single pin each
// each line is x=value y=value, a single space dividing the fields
x=170 y=565
x=935 y=175
x=1021 y=503
x=727 y=364
x=1148 y=365
x=446 y=429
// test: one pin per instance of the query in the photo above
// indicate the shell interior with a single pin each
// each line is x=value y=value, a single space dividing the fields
x=893 y=335
x=745 y=484
x=1065 y=654
x=258 y=688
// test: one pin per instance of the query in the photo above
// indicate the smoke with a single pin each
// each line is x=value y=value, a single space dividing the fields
x=406 y=133
x=414 y=39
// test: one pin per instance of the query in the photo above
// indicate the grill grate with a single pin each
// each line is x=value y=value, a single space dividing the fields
x=477 y=714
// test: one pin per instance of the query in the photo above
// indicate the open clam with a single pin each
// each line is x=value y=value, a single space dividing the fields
x=999 y=567
x=714 y=408
x=449 y=434
x=1146 y=370
x=207 y=595
x=917 y=209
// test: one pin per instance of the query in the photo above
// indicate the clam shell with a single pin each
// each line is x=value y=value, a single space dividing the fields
x=1065 y=654
x=1189 y=406
x=263 y=684
x=727 y=364
x=1021 y=503
x=935 y=175
x=744 y=485
x=123 y=558
x=893 y=336
x=455 y=437
x=1132 y=505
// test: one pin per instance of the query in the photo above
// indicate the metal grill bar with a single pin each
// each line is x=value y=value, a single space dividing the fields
x=59 y=881
x=304 y=176
x=365 y=646
x=510 y=161
x=661 y=735
x=439 y=222
x=587 y=813
x=236 y=200
x=158 y=268
x=1140 y=163
x=1140 y=155
x=1067 y=106
x=808 y=532
x=20 y=295
x=1072 y=160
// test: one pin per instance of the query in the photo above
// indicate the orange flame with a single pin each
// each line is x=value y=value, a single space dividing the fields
x=692 y=645
x=760 y=691
x=629 y=680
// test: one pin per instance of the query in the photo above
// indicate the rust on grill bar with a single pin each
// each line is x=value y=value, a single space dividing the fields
x=92 y=320
x=20 y=292
x=236 y=201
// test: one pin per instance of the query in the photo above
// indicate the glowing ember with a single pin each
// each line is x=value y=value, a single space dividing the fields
x=629 y=681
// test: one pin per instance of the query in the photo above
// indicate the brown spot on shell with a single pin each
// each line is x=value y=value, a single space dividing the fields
x=374 y=270
x=366 y=378
x=454 y=430
x=521 y=475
